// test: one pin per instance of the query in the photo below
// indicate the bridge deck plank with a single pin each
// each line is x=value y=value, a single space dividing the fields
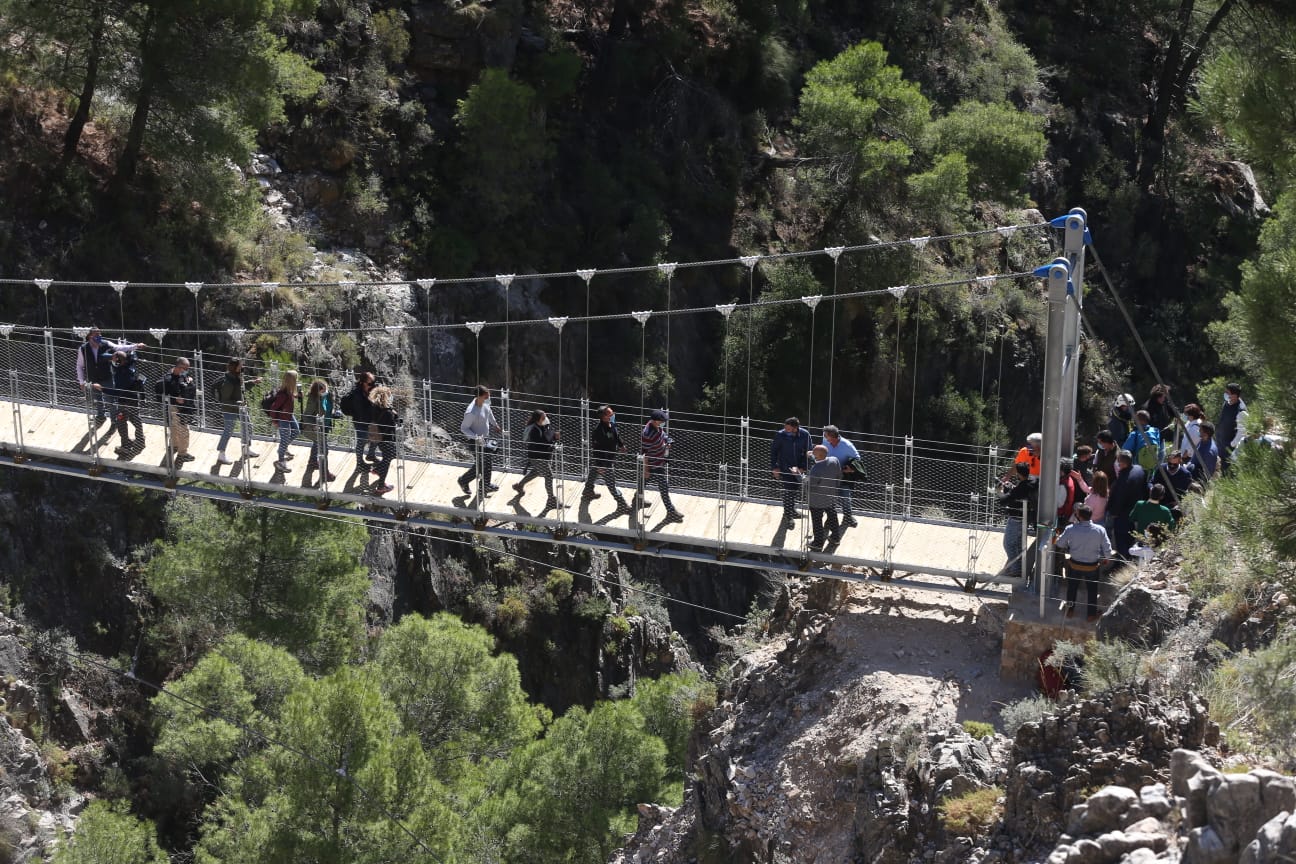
x=753 y=523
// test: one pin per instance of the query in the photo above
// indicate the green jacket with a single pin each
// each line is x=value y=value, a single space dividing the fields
x=1146 y=513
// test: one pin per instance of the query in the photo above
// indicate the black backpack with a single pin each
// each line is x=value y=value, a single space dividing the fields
x=348 y=403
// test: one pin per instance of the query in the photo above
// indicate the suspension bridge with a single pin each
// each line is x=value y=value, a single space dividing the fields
x=924 y=507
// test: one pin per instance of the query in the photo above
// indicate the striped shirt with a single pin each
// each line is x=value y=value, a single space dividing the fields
x=652 y=441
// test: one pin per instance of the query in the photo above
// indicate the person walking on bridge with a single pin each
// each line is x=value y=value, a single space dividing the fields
x=655 y=445
x=852 y=471
x=477 y=426
x=540 y=436
x=181 y=393
x=94 y=368
x=124 y=393
x=788 y=452
x=605 y=443
x=384 y=420
x=229 y=392
x=357 y=406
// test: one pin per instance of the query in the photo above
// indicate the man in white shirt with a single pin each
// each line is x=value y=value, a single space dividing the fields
x=478 y=423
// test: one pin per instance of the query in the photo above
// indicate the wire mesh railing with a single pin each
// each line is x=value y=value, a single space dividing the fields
x=724 y=457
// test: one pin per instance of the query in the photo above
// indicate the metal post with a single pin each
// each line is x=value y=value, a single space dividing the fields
x=1045 y=572
x=585 y=434
x=49 y=367
x=637 y=502
x=321 y=457
x=1023 y=560
x=888 y=530
x=744 y=454
x=399 y=434
x=805 y=519
x=504 y=429
x=245 y=437
x=1073 y=247
x=480 y=442
x=560 y=484
x=992 y=462
x=909 y=476
x=972 y=537
x=722 y=529
x=1058 y=275
x=17 y=416
x=202 y=390
x=167 y=448
x=94 y=430
x=427 y=416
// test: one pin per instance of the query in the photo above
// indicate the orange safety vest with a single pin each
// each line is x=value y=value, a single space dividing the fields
x=1025 y=455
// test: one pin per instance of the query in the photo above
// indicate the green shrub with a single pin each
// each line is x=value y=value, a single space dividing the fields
x=978 y=729
x=559 y=584
x=971 y=813
x=1029 y=710
x=511 y=614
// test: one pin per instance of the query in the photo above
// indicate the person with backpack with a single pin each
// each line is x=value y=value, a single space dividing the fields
x=357 y=406
x=180 y=393
x=540 y=436
x=316 y=422
x=383 y=419
x=1145 y=443
x=124 y=391
x=94 y=368
x=279 y=407
x=228 y=391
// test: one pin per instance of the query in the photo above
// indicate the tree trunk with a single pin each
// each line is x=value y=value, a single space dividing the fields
x=72 y=138
x=128 y=164
x=1172 y=86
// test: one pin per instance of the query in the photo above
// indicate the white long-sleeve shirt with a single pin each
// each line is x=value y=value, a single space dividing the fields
x=478 y=420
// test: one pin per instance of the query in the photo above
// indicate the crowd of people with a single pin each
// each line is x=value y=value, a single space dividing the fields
x=1127 y=486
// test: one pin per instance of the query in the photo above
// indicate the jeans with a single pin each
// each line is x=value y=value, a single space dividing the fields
x=845 y=497
x=661 y=481
x=1122 y=536
x=362 y=440
x=538 y=468
x=1012 y=541
x=245 y=430
x=288 y=430
x=386 y=453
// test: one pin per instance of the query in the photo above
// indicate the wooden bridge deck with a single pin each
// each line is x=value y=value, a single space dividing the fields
x=430 y=487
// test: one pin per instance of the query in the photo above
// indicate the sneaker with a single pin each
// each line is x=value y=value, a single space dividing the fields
x=384 y=489
x=281 y=467
x=222 y=459
x=463 y=484
x=589 y=495
x=182 y=458
x=287 y=457
x=491 y=487
x=674 y=516
x=249 y=453
x=850 y=522
x=518 y=487
x=331 y=477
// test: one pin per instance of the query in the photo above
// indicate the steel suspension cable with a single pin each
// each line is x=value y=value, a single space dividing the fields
x=751 y=314
x=913 y=396
x=668 y=377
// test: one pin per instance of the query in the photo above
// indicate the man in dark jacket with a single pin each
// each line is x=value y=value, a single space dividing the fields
x=357 y=406
x=1129 y=488
x=788 y=453
x=1012 y=493
x=1105 y=457
x=125 y=394
x=1159 y=411
x=181 y=393
x=605 y=443
x=1230 y=426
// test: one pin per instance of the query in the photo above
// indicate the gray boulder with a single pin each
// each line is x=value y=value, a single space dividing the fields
x=1142 y=616
x=1206 y=847
x=1105 y=808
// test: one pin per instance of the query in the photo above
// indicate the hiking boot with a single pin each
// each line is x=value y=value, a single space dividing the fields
x=590 y=495
x=518 y=488
x=287 y=457
x=491 y=487
x=551 y=503
x=249 y=453
x=674 y=516
x=383 y=489
x=850 y=522
x=280 y=467
x=222 y=459
x=463 y=484
x=182 y=458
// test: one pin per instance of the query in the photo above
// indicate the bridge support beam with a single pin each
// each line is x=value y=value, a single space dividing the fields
x=1059 y=282
x=1073 y=248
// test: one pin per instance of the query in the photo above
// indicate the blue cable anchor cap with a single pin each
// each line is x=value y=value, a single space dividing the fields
x=1043 y=272
x=1076 y=213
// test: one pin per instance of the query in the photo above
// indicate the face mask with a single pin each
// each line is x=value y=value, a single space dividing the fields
x=611 y=418
x=486 y=402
